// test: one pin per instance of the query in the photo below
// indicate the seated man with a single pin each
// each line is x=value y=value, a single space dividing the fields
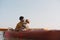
x=22 y=24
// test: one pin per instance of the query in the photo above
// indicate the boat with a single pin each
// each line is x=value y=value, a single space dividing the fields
x=33 y=34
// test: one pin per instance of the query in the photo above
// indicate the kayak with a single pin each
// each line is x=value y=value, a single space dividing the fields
x=33 y=34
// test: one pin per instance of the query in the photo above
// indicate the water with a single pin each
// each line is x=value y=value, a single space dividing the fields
x=1 y=35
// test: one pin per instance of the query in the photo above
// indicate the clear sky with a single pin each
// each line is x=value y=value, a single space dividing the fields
x=41 y=13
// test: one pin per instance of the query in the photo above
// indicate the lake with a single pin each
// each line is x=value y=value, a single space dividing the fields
x=1 y=35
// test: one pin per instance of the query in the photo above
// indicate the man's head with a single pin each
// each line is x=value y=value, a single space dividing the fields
x=21 y=18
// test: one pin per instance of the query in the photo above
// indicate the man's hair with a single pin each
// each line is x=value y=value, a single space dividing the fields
x=21 y=17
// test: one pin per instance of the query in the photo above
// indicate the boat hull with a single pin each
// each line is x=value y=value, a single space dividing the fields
x=33 y=35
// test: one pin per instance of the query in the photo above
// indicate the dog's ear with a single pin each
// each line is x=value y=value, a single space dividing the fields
x=27 y=20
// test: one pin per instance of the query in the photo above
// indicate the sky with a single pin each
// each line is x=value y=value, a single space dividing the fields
x=41 y=13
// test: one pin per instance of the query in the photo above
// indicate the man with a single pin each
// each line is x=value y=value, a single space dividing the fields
x=22 y=24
